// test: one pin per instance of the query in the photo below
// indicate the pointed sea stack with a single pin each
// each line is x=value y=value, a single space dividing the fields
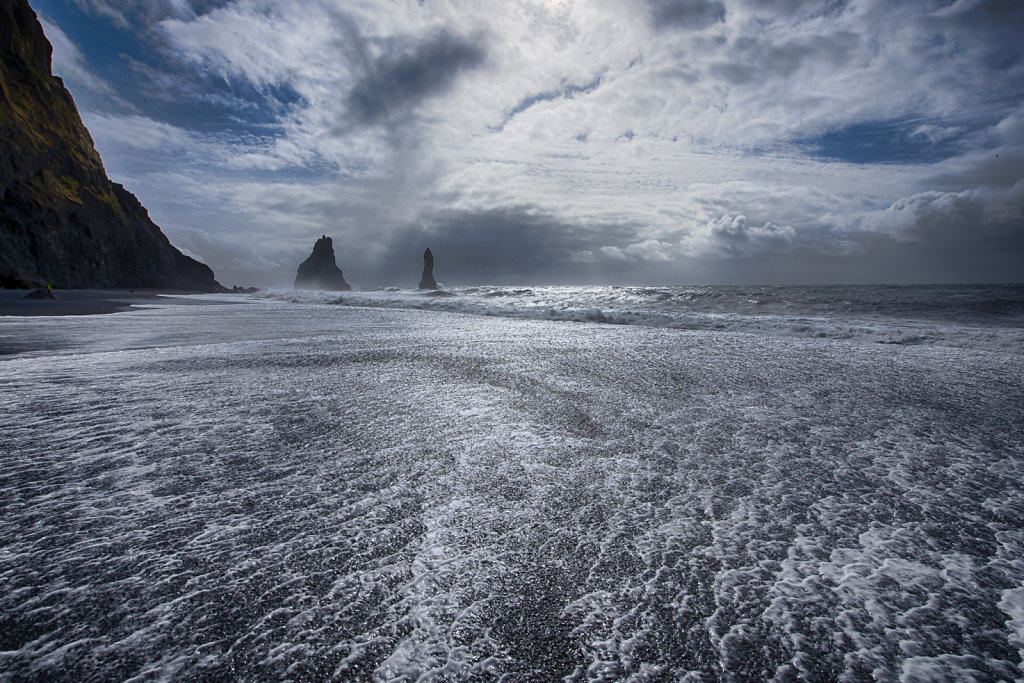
x=320 y=270
x=62 y=221
x=428 y=281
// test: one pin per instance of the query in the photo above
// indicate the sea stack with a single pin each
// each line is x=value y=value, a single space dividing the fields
x=62 y=220
x=428 y=281
x=320 y=270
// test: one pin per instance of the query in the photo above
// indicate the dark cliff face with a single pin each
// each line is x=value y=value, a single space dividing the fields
x=62 y=221
x=320 y=270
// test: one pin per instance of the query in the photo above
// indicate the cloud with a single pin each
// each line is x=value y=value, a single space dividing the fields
x=969 y=236
x=614 y=253
x=982 y=217
x=646 y=250
x=564 y=90
x=262 y=42
x=793 y=9
x=734 y=237
x=573 y=140
x=651 y=250
x=131 y=14
x=687 y=14
x=508 y=245
x=105 y=9
x=984 y=222
x=394 y=84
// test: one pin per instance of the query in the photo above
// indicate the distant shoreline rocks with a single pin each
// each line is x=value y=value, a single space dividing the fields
x=320 y=270
x=428 y=281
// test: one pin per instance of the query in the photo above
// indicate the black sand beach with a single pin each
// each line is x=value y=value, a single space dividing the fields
x=319 y=492
x=87 y=301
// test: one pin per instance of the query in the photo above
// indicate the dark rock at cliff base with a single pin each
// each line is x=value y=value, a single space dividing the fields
x=62 y=221
x=320 y=270
x=40 y=294
x=428 y=281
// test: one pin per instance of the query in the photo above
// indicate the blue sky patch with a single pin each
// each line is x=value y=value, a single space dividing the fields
x=164 y=88
x=894 y=141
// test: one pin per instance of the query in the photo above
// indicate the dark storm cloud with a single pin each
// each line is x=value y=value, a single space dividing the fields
x=394 y=84
x=686 y=14
x=985 y=38
x=991 y=27
x=968 y=236
x=517 y=245
x=734 y=73
x=795 y=8
x=755 y=61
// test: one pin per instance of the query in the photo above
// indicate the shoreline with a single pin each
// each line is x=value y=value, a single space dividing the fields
x=90 y=301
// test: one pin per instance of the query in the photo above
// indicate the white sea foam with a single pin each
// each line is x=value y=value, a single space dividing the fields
x=985 y=318
x=311 y=491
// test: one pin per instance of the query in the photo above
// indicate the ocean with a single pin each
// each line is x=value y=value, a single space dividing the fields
x=982 y=316
x=518 y=484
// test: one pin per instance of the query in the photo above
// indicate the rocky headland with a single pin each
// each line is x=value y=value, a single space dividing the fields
x=320 y=270
x=62 y=221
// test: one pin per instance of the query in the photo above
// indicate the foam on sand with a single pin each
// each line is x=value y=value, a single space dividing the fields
x=313 y=491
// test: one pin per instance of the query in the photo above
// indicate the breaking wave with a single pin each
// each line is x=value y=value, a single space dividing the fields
x=982 y=317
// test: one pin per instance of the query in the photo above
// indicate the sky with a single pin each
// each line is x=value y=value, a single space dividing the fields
x=564 y=141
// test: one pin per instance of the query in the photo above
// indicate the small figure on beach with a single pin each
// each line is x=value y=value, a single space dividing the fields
x=428 y=281
x=41 y=293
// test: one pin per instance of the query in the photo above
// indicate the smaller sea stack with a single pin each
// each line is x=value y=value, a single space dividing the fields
x=428 y=281
x=320 y=270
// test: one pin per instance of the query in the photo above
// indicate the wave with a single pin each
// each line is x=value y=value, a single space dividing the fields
x=990 y=318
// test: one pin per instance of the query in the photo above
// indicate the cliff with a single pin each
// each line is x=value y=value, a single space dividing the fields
x=62 y=220
x=320 y=270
